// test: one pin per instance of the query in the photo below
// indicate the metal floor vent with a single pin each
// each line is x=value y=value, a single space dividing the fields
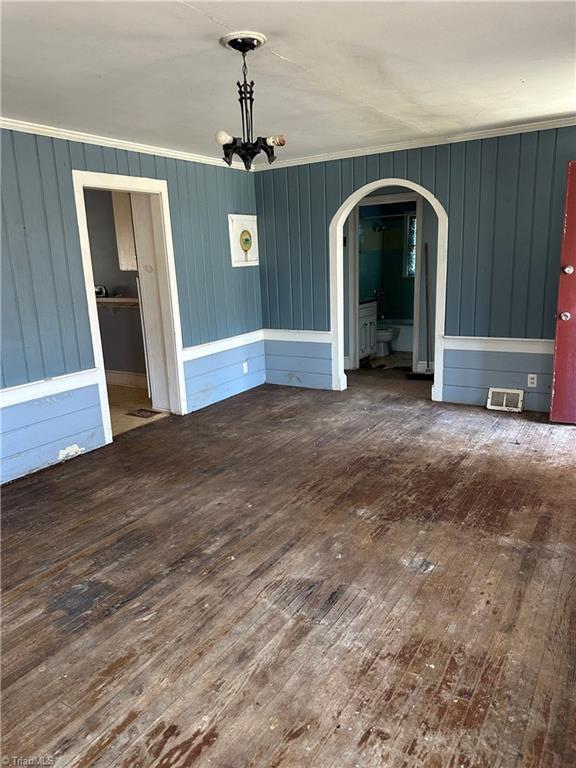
x=505 y=399
x=143 y=413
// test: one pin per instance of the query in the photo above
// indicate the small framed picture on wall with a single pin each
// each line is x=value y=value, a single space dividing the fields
x=243 y=239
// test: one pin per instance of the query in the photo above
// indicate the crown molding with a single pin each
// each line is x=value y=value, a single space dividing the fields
x=540 y=125
x=149 y=149
x=104 y=141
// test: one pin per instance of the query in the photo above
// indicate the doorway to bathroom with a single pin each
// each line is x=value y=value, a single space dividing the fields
x=132 y=300
x=390 y=276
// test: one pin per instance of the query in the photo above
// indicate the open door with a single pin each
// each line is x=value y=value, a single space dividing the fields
x=563 y=408
x=149 y=289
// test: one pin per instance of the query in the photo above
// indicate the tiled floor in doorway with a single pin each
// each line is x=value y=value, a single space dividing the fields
x=122 y=400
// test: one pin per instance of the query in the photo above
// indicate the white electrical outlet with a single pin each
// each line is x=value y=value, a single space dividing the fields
x=532 y=380
x=245 y=367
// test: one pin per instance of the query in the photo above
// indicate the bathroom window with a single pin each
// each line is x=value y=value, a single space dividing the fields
x=410 y=250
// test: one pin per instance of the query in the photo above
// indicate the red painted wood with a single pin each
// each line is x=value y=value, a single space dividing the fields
x=563 y=406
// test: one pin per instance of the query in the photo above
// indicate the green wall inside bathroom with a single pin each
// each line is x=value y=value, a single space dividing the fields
x=382 y=263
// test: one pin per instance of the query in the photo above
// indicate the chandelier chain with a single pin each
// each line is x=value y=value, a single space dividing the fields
x=246 y=94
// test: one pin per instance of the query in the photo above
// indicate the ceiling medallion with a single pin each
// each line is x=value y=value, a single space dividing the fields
x=247 y=147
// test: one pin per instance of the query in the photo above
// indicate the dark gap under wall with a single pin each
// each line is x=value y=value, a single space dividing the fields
x=120 y=326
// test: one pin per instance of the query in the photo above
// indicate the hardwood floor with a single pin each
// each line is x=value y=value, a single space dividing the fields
x=298 y=578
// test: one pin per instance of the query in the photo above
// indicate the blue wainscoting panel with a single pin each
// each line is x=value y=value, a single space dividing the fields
x=299 y=363
x=215 y=377
x=47 y=430
x=469 y=374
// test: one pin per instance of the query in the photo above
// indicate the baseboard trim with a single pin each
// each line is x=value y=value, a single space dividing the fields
x=126 y=379
x=422 y=367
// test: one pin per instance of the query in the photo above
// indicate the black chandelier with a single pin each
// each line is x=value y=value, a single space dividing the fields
x=247 y=147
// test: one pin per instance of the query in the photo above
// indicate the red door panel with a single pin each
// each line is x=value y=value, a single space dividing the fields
x=563 y=406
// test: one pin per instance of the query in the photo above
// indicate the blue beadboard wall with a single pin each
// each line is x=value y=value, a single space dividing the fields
x=504 y=197
x=469 y=374
x=35 y=433
x=45 y=329
x=215 y=377
x=299 y=364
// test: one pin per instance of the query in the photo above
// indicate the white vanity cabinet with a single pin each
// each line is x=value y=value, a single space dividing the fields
x=367 y=325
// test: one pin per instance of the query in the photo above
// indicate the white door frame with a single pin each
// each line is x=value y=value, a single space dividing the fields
x=166 y=278
x=336 y=246
x=354 y=273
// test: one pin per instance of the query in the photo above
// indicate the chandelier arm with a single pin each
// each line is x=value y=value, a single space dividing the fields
x=242 y=110
x=249 y=101
x=251 y=113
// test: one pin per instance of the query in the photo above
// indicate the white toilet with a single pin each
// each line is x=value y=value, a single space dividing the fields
x=383 y=338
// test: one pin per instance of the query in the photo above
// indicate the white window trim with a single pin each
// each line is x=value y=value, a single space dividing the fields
x=407 y=217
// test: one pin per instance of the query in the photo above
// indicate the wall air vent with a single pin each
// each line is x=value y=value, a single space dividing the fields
x=505 y=399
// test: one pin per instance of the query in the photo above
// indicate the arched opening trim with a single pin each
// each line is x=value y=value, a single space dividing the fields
x=336 y=244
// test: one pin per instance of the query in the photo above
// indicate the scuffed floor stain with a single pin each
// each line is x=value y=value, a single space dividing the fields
x=298 y=579
x=188 y=751
x=96 y=750
x=418 y=564
x=159 y=737
x=78 y=601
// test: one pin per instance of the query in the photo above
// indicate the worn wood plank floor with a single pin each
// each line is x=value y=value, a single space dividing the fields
x=298 y=578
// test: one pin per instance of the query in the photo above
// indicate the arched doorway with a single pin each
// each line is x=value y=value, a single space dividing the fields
x=336 y=246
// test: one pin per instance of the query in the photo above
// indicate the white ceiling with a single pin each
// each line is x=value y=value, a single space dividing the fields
x=333 y=76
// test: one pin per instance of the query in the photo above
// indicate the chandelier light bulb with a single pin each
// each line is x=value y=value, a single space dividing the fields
x=222 y=137
x=276 y=141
